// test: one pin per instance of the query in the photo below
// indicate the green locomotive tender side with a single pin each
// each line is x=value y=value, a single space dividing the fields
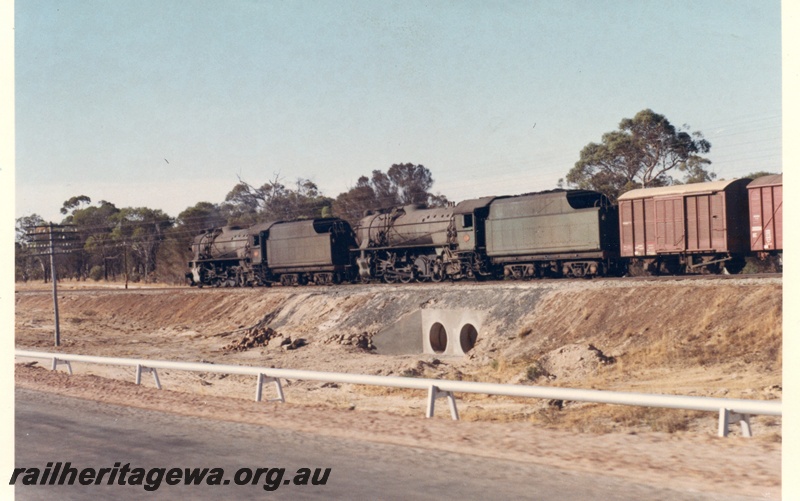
x=559 y=233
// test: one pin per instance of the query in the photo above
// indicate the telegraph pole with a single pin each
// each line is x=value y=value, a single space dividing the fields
x=54 y=280
x=67 y=240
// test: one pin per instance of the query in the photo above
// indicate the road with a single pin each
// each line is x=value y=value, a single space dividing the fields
x=88 y=434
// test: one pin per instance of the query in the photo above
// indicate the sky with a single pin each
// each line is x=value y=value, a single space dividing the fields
x=166 y=104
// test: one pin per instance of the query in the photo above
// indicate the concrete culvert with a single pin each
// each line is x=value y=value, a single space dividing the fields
x=438 y=338
x=469 y=334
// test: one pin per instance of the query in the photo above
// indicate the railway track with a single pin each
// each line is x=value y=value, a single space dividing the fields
x=489 y=283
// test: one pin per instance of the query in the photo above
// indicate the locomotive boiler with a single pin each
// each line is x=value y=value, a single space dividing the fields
x=404 y=244
x=220 y=257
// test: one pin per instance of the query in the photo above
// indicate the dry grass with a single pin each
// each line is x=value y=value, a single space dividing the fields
x=601 y=418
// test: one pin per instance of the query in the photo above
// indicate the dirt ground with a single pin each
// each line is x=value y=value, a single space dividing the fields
x=692 y=337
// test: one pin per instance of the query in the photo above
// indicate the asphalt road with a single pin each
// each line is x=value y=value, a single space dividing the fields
x=88 y=434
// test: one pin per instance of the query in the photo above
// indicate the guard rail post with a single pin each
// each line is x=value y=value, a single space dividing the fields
x=433 y=393
x=727 y=416
x=58 y=361
x=263 y=378
x=140 y=368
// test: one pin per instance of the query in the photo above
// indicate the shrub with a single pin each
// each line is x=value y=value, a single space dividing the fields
x=96 y=273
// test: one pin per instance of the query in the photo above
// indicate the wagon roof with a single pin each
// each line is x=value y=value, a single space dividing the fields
x=773 y=180
x=681 y=189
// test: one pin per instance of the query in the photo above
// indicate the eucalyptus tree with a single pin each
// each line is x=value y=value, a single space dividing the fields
x=646 y=151
x=402 y=184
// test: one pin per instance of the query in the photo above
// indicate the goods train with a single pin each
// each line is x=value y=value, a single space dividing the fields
x=695 y=228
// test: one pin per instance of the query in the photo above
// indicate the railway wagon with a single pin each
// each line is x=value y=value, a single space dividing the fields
x=404 y=243
x=571 y=233
x=766 y=215
x=309 y=251
x=689 y=228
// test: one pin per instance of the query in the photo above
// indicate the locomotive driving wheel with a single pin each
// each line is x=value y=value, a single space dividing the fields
x=389 y=273
x=406 y=275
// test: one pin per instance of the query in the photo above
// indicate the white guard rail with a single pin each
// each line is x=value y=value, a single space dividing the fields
x=730 y=410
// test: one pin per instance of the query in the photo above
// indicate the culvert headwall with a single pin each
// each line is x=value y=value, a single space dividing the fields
x=450 y=332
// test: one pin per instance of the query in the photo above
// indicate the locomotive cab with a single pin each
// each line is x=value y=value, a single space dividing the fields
x=469 y=228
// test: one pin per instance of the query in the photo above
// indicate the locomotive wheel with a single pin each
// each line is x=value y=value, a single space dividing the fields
x=407 y=277
x=436 y=271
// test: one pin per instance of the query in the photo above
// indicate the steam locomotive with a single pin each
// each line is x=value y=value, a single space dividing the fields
x=704 y=227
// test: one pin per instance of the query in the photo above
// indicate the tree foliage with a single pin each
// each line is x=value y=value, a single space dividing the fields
x=761 y=173
x=646 y=151
x=27 y=265
x=402 y=184
x=273 y=201
x=146 y=244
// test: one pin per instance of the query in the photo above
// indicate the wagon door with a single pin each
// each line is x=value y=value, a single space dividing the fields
x=719 y=230
x=670 y=225
x=705 y=222
x=637 y=227
x=765 y=218
x=627 y=235
x=777 y=216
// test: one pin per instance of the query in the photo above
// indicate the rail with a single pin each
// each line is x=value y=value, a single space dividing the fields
x=730 y=410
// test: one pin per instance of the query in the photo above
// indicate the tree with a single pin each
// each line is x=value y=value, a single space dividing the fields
x=411 y=182
x=28 y=264
x=647 y=151
x=201 y=216
x=75 y=202
x=760 y=173
x=94 y=224
x=143 y=228
x=402 y=184
x=245 y=204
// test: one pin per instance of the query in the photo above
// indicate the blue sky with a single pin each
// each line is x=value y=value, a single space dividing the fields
x=165 y=104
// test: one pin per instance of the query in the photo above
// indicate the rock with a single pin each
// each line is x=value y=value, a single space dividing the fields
x=255 y=337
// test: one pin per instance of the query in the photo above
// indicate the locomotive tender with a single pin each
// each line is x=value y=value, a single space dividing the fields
x=292 y=253
x=561 y=233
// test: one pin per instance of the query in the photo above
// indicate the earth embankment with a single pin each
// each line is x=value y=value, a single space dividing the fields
x=696 y=337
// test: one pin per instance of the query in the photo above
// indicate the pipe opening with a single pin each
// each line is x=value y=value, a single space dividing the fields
x=438 y=338
x=468 y=337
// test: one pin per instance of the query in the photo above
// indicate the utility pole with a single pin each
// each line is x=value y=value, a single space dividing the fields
x=58 y=241
x=54 y=281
